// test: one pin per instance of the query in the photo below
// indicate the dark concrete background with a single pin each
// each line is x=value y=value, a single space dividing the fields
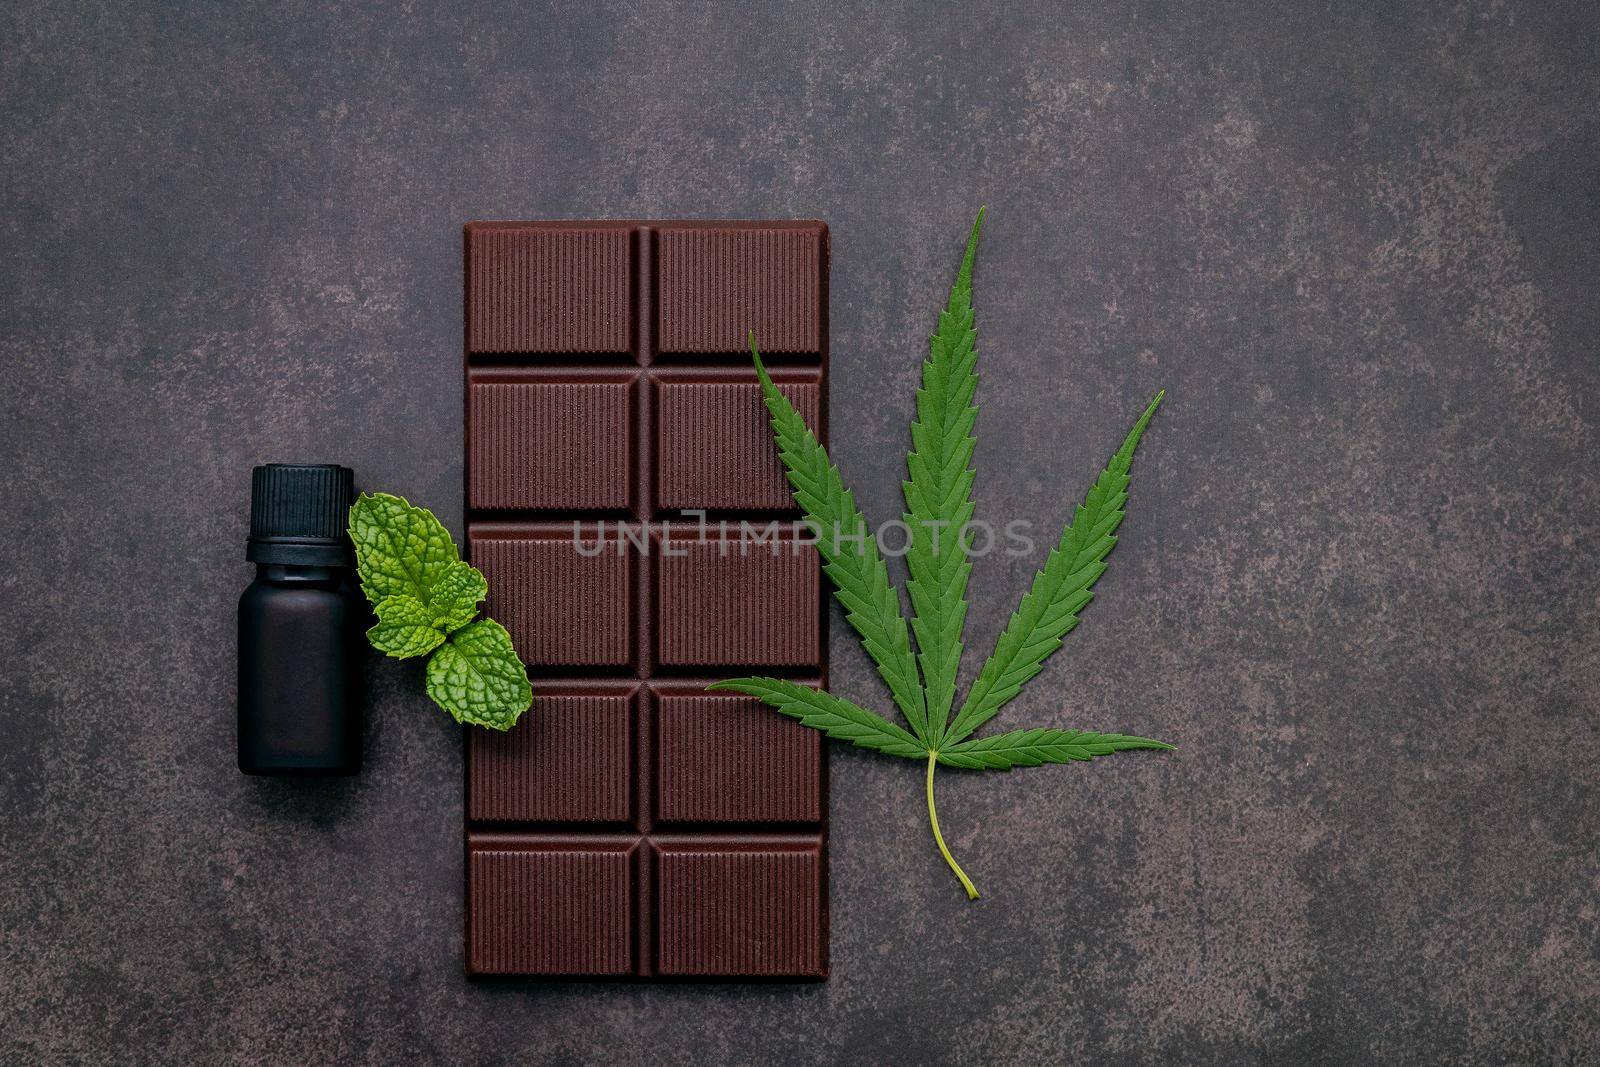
x=1358 y=581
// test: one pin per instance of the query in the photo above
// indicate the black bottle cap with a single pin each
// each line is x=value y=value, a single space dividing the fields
x=298 y=514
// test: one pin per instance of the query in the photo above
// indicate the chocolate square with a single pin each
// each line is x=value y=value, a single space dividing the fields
x=550 y=906
x=714 y=447
x=726 y=758
x=740 y=908
x=764 y=597
x=570 y=760
x=721 y=282
x=567 y=599
x=549 y=289
x=543 y=441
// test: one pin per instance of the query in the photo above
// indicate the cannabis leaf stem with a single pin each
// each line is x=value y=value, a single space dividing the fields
x=938 y=497
x=933 y=820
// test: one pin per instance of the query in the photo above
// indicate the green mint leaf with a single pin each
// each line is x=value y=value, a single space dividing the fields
x=938 y=494
x=400 y=549
x=405 y=628
x=849 y=551
x=422 y=591
x=409 y=627
x=456 y=596
x=477 y=677
x=1061 y=589
x=1030 y=748
x=833 y=716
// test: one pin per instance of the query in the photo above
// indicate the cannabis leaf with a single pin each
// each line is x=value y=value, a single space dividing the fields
x=1030 y=748
x=425 y=597
x=849 y=551
x=835 y=717
x=1049 y=610
x=938 y=497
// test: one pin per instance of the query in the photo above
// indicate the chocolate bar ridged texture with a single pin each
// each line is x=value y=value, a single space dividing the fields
x=563 y=608
x=745 y=910
x=719 y=283
x=627 y=505
x=570 y=760
x=762 y=599
x=551 y=907
x=713 y=445
x=723 y=761
x=538 y=443
x=535 y=290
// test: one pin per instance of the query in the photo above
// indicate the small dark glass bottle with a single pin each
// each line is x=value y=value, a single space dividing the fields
x=300 y=625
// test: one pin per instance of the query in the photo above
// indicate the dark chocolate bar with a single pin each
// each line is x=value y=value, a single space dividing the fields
x=626 y=502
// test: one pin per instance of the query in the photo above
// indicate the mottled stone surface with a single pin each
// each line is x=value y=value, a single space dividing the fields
x=1355 y=242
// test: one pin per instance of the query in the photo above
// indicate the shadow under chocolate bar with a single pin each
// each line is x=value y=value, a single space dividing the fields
x=625 y=500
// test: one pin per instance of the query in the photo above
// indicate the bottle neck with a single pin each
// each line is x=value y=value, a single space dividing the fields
x=297 y=574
